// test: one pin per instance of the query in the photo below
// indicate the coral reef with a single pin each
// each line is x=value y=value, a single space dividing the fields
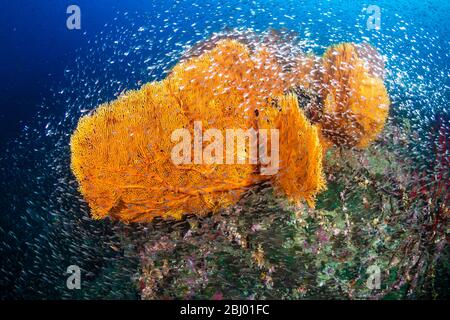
x=381 y=207
x=265 y=248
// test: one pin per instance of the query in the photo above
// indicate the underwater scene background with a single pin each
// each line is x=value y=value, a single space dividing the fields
x=384 y=206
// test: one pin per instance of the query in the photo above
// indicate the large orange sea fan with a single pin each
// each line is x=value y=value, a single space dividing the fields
x=121 y=155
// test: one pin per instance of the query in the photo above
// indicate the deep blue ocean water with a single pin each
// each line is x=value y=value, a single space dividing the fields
x=50 y=76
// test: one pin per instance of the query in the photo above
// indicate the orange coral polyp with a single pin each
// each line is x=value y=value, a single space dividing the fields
x=121 y=153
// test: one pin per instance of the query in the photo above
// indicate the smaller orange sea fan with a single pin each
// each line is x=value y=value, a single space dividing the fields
x=355 y=100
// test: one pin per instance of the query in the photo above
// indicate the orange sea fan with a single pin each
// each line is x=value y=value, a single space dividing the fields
x=300 y=176
x=121 y=155
x=355 y=100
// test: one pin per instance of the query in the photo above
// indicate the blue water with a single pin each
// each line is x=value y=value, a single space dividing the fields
x=37 y=47
x=50 y=76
